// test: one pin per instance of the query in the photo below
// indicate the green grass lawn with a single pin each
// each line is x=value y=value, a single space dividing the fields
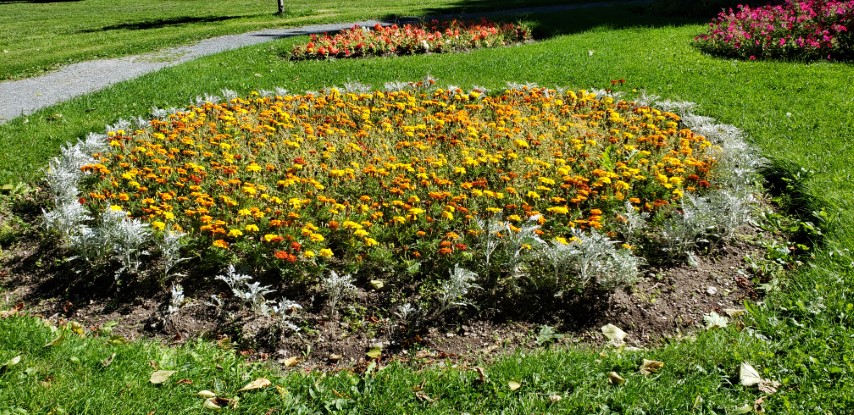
x=38 y=36
x=802 y=334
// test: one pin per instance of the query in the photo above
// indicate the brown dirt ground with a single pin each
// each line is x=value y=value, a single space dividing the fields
x=666 y=302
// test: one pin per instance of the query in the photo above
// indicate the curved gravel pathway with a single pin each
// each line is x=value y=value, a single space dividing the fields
x=25 y=96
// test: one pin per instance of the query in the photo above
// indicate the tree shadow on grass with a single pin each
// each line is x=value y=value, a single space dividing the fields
x=556 y=20
x=161 y=23
x=36 y=1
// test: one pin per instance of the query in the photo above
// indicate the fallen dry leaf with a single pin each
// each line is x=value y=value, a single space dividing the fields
x=614 y=378
x=555 y=398
x=513 y=385
x=616 y=337
x=423 y=397
x=748 y=376
x=259 y=383
x=650 y=366
x=290 y=362
x=481 y=373
x=206 y=394
x=108 y=361
x=161 y=376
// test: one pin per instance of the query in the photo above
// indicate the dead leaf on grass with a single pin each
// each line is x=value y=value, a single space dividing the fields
x=375 y=352
x=259 y=383
x=715 y=320
x=161 y=376
x=9 y=363
x=290 y=362
x=206 y=394
x=108 y=361
x=423 y=397
x=513 y=385
x=482 y=374
x=650 y=366
x=749 y=376
x=614 y=378
x=616 y=337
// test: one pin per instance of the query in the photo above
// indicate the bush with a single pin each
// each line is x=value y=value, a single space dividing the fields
x=807 y=30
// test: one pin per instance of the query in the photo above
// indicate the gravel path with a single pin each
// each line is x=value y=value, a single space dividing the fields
x=25 y=96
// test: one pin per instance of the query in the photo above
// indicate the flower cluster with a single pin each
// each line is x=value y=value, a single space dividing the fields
x=301 y=180
x=797 y=29
x=410 y=39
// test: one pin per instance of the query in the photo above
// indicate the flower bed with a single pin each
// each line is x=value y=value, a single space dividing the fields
x=409 y=39
x=811 y=29
x=524 y=192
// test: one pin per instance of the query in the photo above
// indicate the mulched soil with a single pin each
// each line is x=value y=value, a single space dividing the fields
x=667 y=302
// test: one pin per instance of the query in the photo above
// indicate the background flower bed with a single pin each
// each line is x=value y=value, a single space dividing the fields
x=813 y=29
x=436 y=36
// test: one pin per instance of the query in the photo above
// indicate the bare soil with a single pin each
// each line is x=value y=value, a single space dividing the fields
x=666 y=302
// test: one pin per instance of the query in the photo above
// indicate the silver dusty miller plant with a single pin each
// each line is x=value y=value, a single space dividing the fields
x=588 y=258
x=337 y=287
x=454 y=290
x=253 y=295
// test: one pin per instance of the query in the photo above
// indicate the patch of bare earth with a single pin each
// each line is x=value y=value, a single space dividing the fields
x=666 y=302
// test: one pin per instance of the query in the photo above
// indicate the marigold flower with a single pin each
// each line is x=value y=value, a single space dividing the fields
x=325 y=253
x=219 y=243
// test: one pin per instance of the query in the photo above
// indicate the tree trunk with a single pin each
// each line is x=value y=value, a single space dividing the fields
x=281 y=7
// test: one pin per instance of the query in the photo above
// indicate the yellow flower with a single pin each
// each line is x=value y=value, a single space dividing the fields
x=371 y=241
x=325 y=253
x=448 y=215
x=560 y=210
x=361 y=232
x=271 y=237
x=251 y=228
x=308 y=253
x=219 y=243
x=244 y=212
x=235 y=233
x=316 y=237
x=158 y=225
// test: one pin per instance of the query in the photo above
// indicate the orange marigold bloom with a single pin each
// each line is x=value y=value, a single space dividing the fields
x=219 y=243
x=445 y=251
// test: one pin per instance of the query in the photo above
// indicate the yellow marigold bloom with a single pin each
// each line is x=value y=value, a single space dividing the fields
x=371 y=241
x=158 y=225
x=169 y=215
x=514 y=218
x=547 y=181
x=361 y=232
x=235 y=233
x=561 y=240
x=253 y=168
x=533 y=195
x=348 y=224
x=560 y=210
x=308 y=253
x=270 y=237
x=219 y=243
x=251 y=228
x=415 y=211
x=448 y=215
x=460 y=170
x=244 y=212
x=316 y=237
x=493 y=210
x=521 y=143
x=399 y=219
x=115 y=208
x=325 y=253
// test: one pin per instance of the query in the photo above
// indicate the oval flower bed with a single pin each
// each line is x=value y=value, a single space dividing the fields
x=409 y=39
x=798 y=29
x=520 y=193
